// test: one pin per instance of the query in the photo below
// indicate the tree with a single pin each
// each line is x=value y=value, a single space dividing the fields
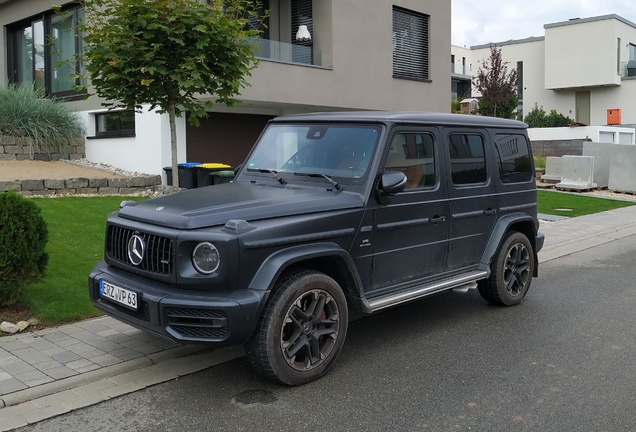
x=497 y=86
x=167 y=53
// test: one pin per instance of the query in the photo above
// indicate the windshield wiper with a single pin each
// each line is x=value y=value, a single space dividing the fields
x=326 y=177
x=271 y=171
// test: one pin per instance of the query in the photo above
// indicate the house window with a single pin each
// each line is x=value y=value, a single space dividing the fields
x=410 y=44
x=42 y=50
x=302 y=51
x=632 y=52
x=115 y=124
x=452 y=63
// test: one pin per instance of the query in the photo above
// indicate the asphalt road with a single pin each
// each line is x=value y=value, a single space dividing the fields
x=563 y=360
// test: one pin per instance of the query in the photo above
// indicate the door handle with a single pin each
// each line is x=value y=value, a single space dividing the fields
x=437 y=219
x=490 y=212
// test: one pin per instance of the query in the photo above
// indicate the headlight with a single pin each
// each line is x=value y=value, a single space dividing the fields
x=206 y=258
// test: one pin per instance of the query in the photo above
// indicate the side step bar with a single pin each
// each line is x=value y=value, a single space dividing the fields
x=461 y=283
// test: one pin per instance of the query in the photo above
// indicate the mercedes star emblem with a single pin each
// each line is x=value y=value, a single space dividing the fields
x=136 y=247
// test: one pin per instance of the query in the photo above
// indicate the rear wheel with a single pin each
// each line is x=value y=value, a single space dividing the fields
x=302 y=329
x=511 y=271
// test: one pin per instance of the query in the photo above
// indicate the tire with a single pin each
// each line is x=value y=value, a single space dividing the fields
x=302 y=329
x=511 y=273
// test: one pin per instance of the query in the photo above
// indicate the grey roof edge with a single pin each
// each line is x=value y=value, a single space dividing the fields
x=509 y=42
x=591 y=19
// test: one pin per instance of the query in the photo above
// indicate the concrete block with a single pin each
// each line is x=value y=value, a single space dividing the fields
x=87 y=191
x=552 y=170
x=42 y=157
x=108 y=191
x=54 y=184
x=118 y=182
x=97 y=182
x=32 y=185
x=6 y=157
x=76 y=183
x=622 y=176
x=577 y=172
x=10 y=185
x=601 y=153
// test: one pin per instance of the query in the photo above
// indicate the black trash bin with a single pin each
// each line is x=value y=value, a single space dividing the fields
x=225 y=176
x=205 y=172
x=187 y=175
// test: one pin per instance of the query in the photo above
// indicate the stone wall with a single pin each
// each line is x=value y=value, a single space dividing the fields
x=12 y=148
x=75 y=186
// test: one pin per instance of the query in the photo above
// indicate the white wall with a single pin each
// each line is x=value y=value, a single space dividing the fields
x=593 y=133
x=581 y=53
x=148 y=152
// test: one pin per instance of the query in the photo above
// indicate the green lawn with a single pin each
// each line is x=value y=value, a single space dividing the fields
x=76 y=242
x=565 y=204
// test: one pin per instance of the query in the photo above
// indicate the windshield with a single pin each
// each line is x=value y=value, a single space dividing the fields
x=342 y=151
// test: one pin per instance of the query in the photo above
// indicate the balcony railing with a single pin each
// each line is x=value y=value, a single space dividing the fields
x=288 y=53
x=628 y=69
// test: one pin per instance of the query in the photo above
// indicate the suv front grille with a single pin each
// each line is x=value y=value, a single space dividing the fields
x=157 y=258
x=198 y=323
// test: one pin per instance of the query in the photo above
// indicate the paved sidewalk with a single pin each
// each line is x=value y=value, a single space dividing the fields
x=57 y=370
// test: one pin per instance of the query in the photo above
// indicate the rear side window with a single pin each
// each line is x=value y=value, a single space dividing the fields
x=513 y=158
x=468 y=164
x=413 y=154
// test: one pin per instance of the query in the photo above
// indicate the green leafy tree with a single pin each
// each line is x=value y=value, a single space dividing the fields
x=497 y=85
x=169 y=54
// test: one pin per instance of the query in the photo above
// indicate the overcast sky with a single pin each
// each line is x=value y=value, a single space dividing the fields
x=485 y=21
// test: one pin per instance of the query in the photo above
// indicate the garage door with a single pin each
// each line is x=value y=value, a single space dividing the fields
x=224 y=138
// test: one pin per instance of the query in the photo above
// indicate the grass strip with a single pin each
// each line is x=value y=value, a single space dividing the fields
x=572 y=205
x=77 y=227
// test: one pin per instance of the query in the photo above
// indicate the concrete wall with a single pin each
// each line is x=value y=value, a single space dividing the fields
x=601 y=153
x=592 y=133
x=622 y=175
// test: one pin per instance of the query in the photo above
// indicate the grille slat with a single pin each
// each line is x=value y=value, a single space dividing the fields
x=158 y=256
x=198 y=323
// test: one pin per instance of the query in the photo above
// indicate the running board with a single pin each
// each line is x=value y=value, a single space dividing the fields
x=461 y=283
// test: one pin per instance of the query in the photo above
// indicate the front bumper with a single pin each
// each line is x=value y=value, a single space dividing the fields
x=210 y=317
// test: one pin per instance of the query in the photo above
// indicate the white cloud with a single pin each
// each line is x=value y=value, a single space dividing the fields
x=476 y=23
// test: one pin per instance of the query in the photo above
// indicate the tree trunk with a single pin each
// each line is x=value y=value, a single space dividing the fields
x=173 y=145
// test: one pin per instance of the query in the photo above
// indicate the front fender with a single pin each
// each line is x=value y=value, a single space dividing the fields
x=275 y=264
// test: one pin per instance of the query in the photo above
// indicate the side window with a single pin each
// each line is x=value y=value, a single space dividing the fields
x=413 y=154
x=513 y=158
x=468 y=164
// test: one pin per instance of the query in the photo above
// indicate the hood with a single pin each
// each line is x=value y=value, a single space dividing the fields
x=215 y=205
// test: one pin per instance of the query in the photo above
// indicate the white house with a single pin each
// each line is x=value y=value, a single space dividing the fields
x=583 y=68
x=363 y=55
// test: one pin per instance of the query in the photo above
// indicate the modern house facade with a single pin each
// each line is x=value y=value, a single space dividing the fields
x=581 y=68
x=371 y=55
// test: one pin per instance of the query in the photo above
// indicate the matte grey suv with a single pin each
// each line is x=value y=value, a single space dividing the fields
x=329 y=213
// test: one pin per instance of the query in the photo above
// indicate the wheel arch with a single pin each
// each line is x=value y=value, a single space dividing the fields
x=520 y=222
x=328 y=258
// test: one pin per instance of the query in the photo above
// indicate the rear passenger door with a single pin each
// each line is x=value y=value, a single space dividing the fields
x=410 y=237
x=472 y=195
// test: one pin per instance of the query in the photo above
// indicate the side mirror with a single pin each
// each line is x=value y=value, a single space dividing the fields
x=392 y=182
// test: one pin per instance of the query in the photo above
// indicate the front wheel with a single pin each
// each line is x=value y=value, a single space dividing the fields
x=302 y=329
x=511 y=271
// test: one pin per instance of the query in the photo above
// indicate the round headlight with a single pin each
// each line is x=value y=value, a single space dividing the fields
x=206 y=258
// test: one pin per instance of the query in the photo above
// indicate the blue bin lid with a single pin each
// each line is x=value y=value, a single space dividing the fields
x=189 y=164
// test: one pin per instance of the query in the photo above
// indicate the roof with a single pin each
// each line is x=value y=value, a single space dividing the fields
x=574 y=21
x=429 y=118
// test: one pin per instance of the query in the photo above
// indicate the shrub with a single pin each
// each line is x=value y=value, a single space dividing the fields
x=47 y=124
x=23 y=236
x=537 y=118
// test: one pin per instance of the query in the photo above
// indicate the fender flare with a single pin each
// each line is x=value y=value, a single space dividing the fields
x=270 y=270
x=500 y=230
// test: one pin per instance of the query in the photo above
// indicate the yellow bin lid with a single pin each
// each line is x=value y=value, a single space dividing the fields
x=213 y=166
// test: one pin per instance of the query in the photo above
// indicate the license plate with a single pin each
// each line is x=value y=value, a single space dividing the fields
x=124 y=297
